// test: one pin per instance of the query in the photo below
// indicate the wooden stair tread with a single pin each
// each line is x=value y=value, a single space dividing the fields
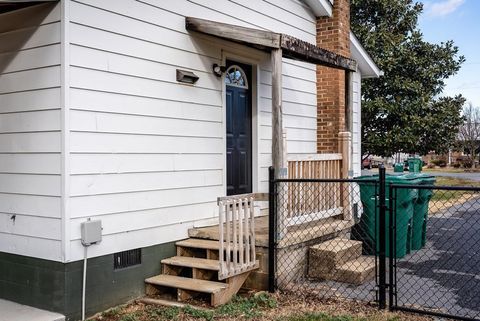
x=170 y=303
x=199 y=244
x=187 y=283
x=193 y=262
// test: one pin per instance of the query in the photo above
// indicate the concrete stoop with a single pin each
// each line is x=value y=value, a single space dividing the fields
x=340 y=260
x=11 y=311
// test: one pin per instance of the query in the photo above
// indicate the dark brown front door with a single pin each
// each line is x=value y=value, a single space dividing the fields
x=239 y=128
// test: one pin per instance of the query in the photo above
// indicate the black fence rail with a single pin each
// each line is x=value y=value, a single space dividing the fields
x=435 y=268
x=323 y=243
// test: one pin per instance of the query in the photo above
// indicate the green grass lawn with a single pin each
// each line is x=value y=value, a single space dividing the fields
x=444 y=170
x=444 y=195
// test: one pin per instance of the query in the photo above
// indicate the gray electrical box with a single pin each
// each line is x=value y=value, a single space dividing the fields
x=91 y=232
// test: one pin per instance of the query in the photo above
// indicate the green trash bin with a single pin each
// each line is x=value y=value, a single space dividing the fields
x=369 y=223
x=420 y=213
x=414 y=165
x=365 y=229
x=398 y=168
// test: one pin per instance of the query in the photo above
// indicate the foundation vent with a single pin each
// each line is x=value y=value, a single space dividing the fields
x=126 y=259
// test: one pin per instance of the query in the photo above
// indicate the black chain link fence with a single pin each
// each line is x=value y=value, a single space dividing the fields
x=437 y=265
x=326 y=238
x=330 y=238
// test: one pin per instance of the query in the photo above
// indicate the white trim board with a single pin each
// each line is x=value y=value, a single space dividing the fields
x=313 y=157
x=301 y=219
x=320 y=8
x=365 y=63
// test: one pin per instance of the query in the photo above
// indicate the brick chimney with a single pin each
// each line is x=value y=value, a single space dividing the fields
x=333 y=33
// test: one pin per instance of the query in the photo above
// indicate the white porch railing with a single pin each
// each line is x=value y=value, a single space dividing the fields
x=311 y=201
x=237 y=234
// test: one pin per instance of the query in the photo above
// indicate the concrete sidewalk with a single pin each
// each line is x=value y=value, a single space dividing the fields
x=11 y=311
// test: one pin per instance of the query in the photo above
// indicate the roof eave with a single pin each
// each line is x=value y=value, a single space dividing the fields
x=321 y=8
x=366 y=65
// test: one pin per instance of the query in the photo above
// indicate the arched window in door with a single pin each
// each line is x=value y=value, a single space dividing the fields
x=235 y=76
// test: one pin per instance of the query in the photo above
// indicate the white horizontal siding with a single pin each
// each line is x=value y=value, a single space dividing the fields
x=31 y=205
x=143 y=163
x=30 y=138
x=88 y=121
x=125 y=143
x=147 y=153
x=136 y=239
x=31 y=226
x=146 y=219
x=117 y=103
x=139 y=182
x=89 y=206
x=31 y=246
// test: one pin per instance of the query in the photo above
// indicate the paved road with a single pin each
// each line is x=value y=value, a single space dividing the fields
x=445 y=275
x=470 y=176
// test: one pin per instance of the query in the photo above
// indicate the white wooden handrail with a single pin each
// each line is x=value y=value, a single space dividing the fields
x=307 y=201
x=237 y=233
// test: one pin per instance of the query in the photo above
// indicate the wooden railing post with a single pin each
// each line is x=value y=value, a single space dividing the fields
x=237 y=234
x=344 y=139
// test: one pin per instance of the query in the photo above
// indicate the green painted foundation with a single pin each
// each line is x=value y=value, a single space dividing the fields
x=57 y=287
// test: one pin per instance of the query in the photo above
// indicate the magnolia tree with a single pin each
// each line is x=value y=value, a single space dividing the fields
x=402 y=111
x=469 y=133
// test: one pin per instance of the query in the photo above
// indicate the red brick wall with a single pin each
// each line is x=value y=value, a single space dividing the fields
x=333 y=33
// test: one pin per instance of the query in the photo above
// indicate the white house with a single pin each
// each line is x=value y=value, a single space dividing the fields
x=95 y=124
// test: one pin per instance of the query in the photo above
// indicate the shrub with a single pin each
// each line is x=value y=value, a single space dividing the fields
x=456 y=165
x=439 y=162
x=467 y=164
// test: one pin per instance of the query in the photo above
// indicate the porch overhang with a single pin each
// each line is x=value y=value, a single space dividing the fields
x=10 y=5
x=290 y=46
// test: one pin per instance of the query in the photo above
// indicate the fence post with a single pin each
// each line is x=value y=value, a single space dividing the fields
x=382 y=297
x=391 y=249
x=272 y=227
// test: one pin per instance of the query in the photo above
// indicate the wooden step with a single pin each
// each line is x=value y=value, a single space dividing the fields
x=169 y=303
x=356 y=271
x=186 y=283
x=199 y=244
x=193 y=262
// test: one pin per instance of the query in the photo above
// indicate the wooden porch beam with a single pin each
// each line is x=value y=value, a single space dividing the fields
x=298 y=49
x=292 y=47
x=277 y=113
x=254 y=37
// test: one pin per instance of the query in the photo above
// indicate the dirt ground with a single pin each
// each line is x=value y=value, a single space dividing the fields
x=278 y=307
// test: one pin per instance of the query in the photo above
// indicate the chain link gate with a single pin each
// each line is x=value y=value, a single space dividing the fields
x=435 y=266
x=322 y=241
x=349 y=239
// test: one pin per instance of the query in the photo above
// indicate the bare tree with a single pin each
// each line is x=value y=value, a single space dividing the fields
x=469 y=133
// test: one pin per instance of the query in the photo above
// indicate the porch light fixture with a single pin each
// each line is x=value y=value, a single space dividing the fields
x=186 y=77
x=218 y=70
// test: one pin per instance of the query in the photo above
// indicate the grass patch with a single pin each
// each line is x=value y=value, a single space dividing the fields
x=247 y=307
x=312 y=316
x=444 y=195
x=239 y=308
x=444 y=170
x=264 y=307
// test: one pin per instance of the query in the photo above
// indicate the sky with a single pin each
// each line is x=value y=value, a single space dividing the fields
x=457 y=20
